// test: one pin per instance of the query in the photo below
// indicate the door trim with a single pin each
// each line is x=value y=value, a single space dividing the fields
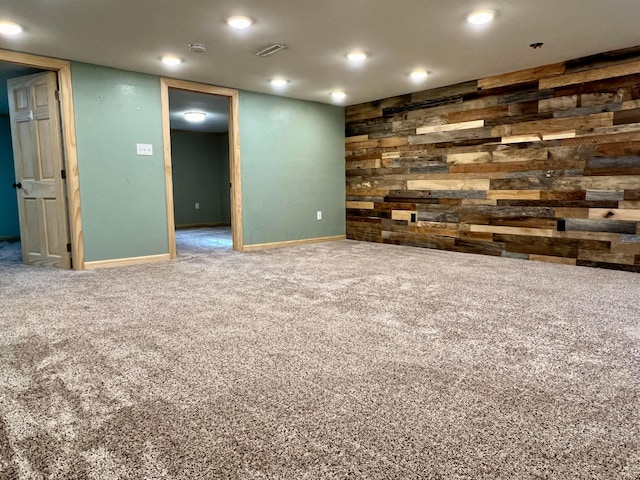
x=63 y=69
x=234 y=156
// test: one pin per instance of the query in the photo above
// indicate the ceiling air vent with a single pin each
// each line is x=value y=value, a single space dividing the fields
x=270 y=50
x=197 y=47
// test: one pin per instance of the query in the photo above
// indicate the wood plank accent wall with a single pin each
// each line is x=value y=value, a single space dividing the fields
x=541 y=164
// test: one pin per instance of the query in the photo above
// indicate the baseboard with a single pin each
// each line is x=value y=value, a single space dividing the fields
x=9 y=239
x=123 y=262
x=203 y=225
x=291 y=243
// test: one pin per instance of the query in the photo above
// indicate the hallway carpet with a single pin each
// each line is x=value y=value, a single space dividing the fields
x=10 y=252
x=329 y=361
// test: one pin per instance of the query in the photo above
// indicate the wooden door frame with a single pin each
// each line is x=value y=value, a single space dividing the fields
x=234 y=156
x=70 y=153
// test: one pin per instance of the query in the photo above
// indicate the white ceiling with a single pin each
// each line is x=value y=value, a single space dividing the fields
x=399 y=35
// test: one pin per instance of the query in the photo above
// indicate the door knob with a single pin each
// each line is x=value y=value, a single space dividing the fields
x=17 y=185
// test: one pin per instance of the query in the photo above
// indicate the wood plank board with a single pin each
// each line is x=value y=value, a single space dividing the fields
x=473 y=184
x=405 y=215
x=521 y=138
x=513 y=194
x=614 y=214
x=450 y=127
x=471 y=157
x=548 y=259
x=591 y=75
x=622 y=258
x=535 y=232
x=557 y=103
x=522 y=76
x=361 y=205
x=357 y=138
x=558 y=135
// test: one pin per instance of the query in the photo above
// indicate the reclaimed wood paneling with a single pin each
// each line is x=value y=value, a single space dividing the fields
x=627 y=68
x=522 y=76
x=541 y=164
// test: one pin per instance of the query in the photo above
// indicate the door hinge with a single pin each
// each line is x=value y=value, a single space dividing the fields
x=63 y=174
x=58 y=95
x=69 y=247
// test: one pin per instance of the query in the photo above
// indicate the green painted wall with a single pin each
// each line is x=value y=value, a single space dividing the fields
x=200 y=164
x=292 y=166
x=9 y=223
x=122 y=194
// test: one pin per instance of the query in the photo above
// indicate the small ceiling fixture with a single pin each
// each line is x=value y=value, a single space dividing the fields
x=10 y=29
x=338 y=95
x=171 y=60
x=357 y=56
x=279 y=82
x=197 y=47
x=195 y=117
x=419 y=75
x=239 y=21
x=481 y=17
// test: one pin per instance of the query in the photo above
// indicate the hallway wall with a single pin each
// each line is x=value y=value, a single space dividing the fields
x=200 y=166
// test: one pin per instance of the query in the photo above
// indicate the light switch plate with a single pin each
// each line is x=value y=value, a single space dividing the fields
x=144 y=149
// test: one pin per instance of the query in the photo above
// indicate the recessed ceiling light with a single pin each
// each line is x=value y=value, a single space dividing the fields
x=338 y=95
x=239 y=21
x=195 y=117
x=279 y=82
x=357 y=56
x=10 y=28
x=171 y=60
x=480 y=17
x=419 y=75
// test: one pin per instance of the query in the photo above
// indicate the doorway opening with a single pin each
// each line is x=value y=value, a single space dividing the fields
x=202 y=162
x=200 y=169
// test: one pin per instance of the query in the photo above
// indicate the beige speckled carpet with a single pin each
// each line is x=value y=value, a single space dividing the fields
x=341 y=360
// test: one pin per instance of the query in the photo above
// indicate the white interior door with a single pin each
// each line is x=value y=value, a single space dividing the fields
x=40 y=186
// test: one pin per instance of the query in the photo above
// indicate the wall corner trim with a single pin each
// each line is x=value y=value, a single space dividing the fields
x=291 y=243
x=124 y=262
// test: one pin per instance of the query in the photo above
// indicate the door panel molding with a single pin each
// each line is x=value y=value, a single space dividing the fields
x=38 y=159
x=63 y=69
x=234 y=156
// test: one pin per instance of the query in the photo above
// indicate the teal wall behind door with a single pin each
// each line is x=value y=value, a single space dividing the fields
x=122 y=194
x=292 y=166
x=9 y=223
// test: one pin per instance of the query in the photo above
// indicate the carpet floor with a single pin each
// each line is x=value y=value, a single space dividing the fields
x=329 y=361
x=10 y=252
